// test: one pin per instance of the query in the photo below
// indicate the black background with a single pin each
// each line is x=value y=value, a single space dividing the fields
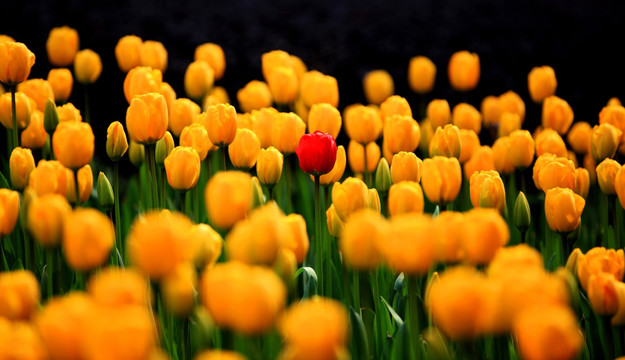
x=581 y=39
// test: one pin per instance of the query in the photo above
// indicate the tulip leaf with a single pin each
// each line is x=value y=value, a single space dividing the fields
x=360 y=345
x=4 y=184
x=120 y=260
x=399 y=283
x=311 y=284
x=401 y=348
x=437 y=211
x=398 y=320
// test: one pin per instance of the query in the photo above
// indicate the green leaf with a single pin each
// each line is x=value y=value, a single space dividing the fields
x=311 y=287
x=402 y=349
x=4 y=184
x=399 y=283
x=398 y=320
x=360 y=345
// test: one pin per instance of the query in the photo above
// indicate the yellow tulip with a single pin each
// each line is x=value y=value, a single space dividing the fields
x=128 y=52
x=182 y=113
x=484 y=232
x=394 y=105
x=61 y=81
x=73 y=144
x=508 y=123
x=221 y=124
x=227 y=197
x=21 y=164
x=244 y=149
x=319 y=88
x=212 y=54
x=49 y=177
x=604 y=141
x=563 y=209
x=182 y=166
x=582 y=182
x=349 y=196
x=439 y=113
x=521 y=150
x=491 y=110
x=62 y=45
x=363 y=124
x=356 y=153
x=549 y=141
x=283 y=84
x=88 y=237
x=198 y=79
x=541 y=83
x=464 y=70
x=142 y=80
x=487 y=190
x=405 y=197
x=38 y=90
x=551 y=171
x=579 y=137
x=287 y=131
x=147 y=118
x=557 y=114
x=511 y=102
x=255 y=95
x=483 y=158
x=337 y=171
x=421 y=74
x=19 y=295
x=402 y=133
x=324 y=118
x=441 y=179
x=117 y=287
x=15 y=62
x=34 y=136
x=406 y=166
x=378 y=86
x=606 y=175
x=469 y=142
x=154 y=55
x=502 y=148
x=87 y=66
x=269 y=166
x=116 y=141
x=178 y=289
x=196 y=136
x=446 y=142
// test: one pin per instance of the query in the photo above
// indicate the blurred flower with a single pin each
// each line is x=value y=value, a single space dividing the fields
x=244 y=149
x=49 y=177
x=557 y=114
x=20 y=340
x=288 y=129
x=604 y=141
x=487 y=190
x=439 y=113
x=464 y=70
x=147 y=118
x=319 y=88
x=378 y=86
x=484 y=232
x=221 y=124
x=283 y=84
x=441 y=179
x=508 y=123
x=408 y=244
x=73 y=144
x=264 y=124
x=521 y=150
x=168 y=92
x=600 y=260
x=483 y=158
x=614 y=115
x=19 y=295
x=405 y=197
x=219 y=355
x=363 y=124
x=349 y=196
x=338 y=169
x=511 y=102
x=491 y=110
x=324 y=118
x=406 y=166
x=21 y=164
x=116 y=287
x=602 y=293
x=128 y=52
x=579 y=137
x=298 y=241
x=541 y=83
x=255 y=95
x=395 y=105
x=502 y=147
x=179 y=289
x=421 y=74
x=551 y=171
x=606 y=175
x=181 y=114
x=582 y=182
x=198 y=79
x=446 y=142
x=87 y=66
x=136 y=153
x=68 y=112
x=563 y=209
x=214 y=56
x=465 y=116
x=356 y=153
x=207 y=244
x=334 y=222
x=61 y=81
x=116 y=141
x=448 y=226
x=62 y=45
x=88 y=237
x=154 y=55
x=469 y=142
x=227 y=197
x=549 y=141
x=182 y=166
x=39 y=90
x=34 y=135
x=24 y=106
x=142 y=80
x=196 y=136
x=402 y=133
x=85 y=184
x=269 y=166
x=45 y=218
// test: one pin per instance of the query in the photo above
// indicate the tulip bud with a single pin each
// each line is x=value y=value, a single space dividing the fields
x=255 y=95
x=337 y=171
x=62 y=45
x=465 y=116
x=19 y=297
x=541 y=83
x=563 y=209
x=551 y=171
x=571 y=262
x=319 y=88
x=228 y=198
x=483 y=158
x=602 y=293
x=34 y=136
x=406 y=166
x=358 y=239
x=21 y=164
x=269 y=166
x=73 y=144
x=221 y=124
x=356 y=153
x=606 y=174
x=244 y=149
x=16 y=63
x=128 y=52
x=182 y=166
x=85 y=184
x=487 y=190
x=324 y=118
x=469 y=142
x=154 y=55
x=363 y=124
x=441 y=179
x=604 y=141
x=105 y=193
x=136 y=153
x=68 y=112
x=511 y=102
x=579 y=137
x=464 y=70
x=182 y=113
x=373 y=200
x=405 y=197
x=10 y=208
x=439 y=113
x=378 y=86
x=61 y=81
x=116 y=141
x=142 y=80
x=88 y=237
x=446 y=142
x=45 y=219
x=394 y=105
x=50 y=117
x=163 y=147
x=557 y=114
x=24 y=109
x=87 y=66
x=421 y=74
x=549 y=141
x=521 y=215
x=334 y=222
x=214 y=56
x=383 y=176
x=316 y=153
x=198 y=79
x=402 y=133
x=147 y=118
x=491 y=110
x=508 y=123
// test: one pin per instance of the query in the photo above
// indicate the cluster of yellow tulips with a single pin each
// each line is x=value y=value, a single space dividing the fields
x=215 y=248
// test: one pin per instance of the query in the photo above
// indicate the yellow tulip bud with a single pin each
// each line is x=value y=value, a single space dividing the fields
x=87 y=66
x=24 y=106
x=244 y=149
x=602 y=293
x=182 y=166
x=255 y=95
x=464 y=70
x=582 y=182
x=551 y=171
x=228 y=198
x=324 y=118
x=116 y=141
x=363 y=124
x=549 y=141
x=557 y=114
x=19 y=295
x=356 y=153
x=563 y=209
x=68 y=112
x=299 y=242
x=604 y=141
x=9 y=208
x=441 y=179
x=34 y=136
x=16 y=62
x=511 y=102
x=421 y=74
x=287 y=131
x=541 y=83
x=487 y=190
x=181 y=114
x=501 y=151
x=221 y=124
x=147 y=118
x=394 y=105
x=179 y=289
x=465 y=116
x=349 y=196
x=614 y=115
x=378 y=86
x=337 y=171
x=606 y=175
x=88 y=237
x=61 y=81
x=128 y=52
x=269 y=166
x=405 y=197
x=136 y=153
x=73 y=144
x=198 y=79
x=196 y=136
x=521 y=215
x=491 y=110
x=483 y=158
x=439 y=113
x=402 y=133
x=406 y=166
x=154 y=55
x=334 y=222
x=142 y=80
x=62 y=45
x=521 y=150
x=469 y=142
x=85 y=184
x=319 y=88
x=106 y=199
x=21 y=164
x=508 y=123
x=579 y=137
x=283 y=84
x=359 y=237
x=484 y=232
x=214 y=56
x=446 y=142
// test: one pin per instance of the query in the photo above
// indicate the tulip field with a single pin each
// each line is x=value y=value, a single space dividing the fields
x=440 y=230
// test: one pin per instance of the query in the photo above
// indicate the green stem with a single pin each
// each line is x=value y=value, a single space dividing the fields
x=615 y=221
x=14 y=118
x=223 y=151
x=617 y=337
x=606 y=331
x=196 y=205
x=152 y=172
x=50 y=272
x=288 y=175
x=318 y=242
x=413 y=313
x=118 y=224
x=376 y=305
x=28 y=246
x=77 y=188
x=183 y=202
x=270 y=192
x=356 y=291
x=366 y=172
x=5 y=263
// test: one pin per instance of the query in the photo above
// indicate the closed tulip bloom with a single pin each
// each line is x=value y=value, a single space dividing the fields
x=263 y=125
x=142 y=80
x=508 y=123
x=147 y=118
x=21 y=164
x=228 y=196
x=287 y=132
x=45 y=218
x=421 y=74
x=582 y=182
x=178 y=289
x=438 y=112
x=61 y=81
x=217 y=95
x=299 y=66
x=116 y=141
x=207 y=245
x=469 y=142
x=316 y=153
x=337 y=171
x=128 y=52
x=319 y=88
x=283 y=85
x=324 y=118
x=49 y=177
x=214 y=56
x=68 y=112
x=39 y=90
x=221 y=124
x=464 y=70
x=334 y=222
x=604 y=141
x=487 y=190
x=24 y=106
x=602 y=293
x=198 y=79
x=136 y=153
x=549 y=141
x=405 y=197
x=85 y=184
x=164 y=147
x=88 y=237
x=274 y=59
x=244 y=149
x=465 y=116
x=491 y=110
x=395 y=105
x=34 y=136
x=196 y=136
x=62 y=45
x=513 y=103
x=16 y=60
x=448 y=225
x=298 y=241
x=87 y=66
x=579 y=137
x=246 y=120
x=600 y=260
x=181 y=114
x=183 y=168
x=73 y=144
x=484 y=232
x=441 y=179
x=168 y=92
x=606 y=175
x=563 y=209
x=378 y=86
x=255 y=95
x=402 y=133
x=9 y=209
x=356 y=153
x=269 y=166
x=406 y=166
x=363 y=124
x=383 y=176
x=539 y=328
x=19 y=295
x=557 y=114
x=551 y=171
x=541 y=83
x=483 y=158
x=521 y=150
x=154 y=55
x=501 y=150
x=349 y=196
x=615 y=115
x=117 y=287
x=358 y=239
x=446 y=142
x=244 y=298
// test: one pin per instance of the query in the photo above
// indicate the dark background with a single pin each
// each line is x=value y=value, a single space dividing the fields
x=581 y=39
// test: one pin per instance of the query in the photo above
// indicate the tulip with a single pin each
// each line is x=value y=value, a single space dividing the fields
x=511 y=102
x=606 y=175
x=24 y=106
x=274 y=59
x=484 y=232
x=16 y=60
x=465 y=116
x=579 y=137
x=283 y=85
x=246 y=120
x=87 y=66
x=166 y=144
x=49 y=177
x=299 y=66
x=227 y=198
x=421 y=74
x=446 y=142
x=39 y=90
x=469 y=142
x=383 y=176
x=557 y=114
x=521 y=150
x=299 y=242
x=324 y=118
x=614 y=115
x=402 y=133
x=551 y=171
x=45 y=218
x=142 y=80
x=88 y=237
x=117 y=287
x=363 y=124
x=483 y=158
x=116 y=141
x=501 y=151
x=406 y=167
x=68 y=112
x=207 y=245
x=338 y=169
x=394 y=105
x=521 y=215
x=62 y=45
x=136 y=153
x=106 y=197
x=255 y=95
x=244 y=149
x=356 y=153
x=147 y=118
x=244 y=298
x=198 y=79
x=214 y=56
x=441 y=179
x=269 y=166
x=221 y=124
x=334 y=222
x=541 y=83
x=154 y=55
x=563 y=209
x=19 y=295
x=438 y=112
x=378 y=86
x=600 y=260
x=182 y=166
x=448 y=225
x=128 y=52
x=464 y=70
x=196 y=136
x=61 y=81
x=181 y=114
x=582 y=182
x=405 y=197
x=508 y=123
x=34 y=136
x=549 y=141
x=602 y=293
x=491 y=110
x=178 y=289
x=319 y=88
x=487 y=190
x=349 y=196
x=604 y=141
x=85 y=184
x=316 y=153
x=73 y=144
x=21 y=164
x=264 y=124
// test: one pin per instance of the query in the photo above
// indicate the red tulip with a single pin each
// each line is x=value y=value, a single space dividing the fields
x=316 y=153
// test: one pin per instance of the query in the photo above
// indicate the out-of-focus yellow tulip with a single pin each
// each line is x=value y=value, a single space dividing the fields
x=513 y=103
x=38 y=90
x=283 y=85
x=606 y=175
x=196 y=136
x=207 y=243
x=604 y=141
x=319 y=88
x=179 y=289
x=128 y=52
x=378 y=86
x=465 y=116
x=68 y=112
x=448 y=225
x=563 y=209
x=363 y=124
x=198 y=79
x=45 y=218
x=244 y=149
x=406 y=166
x=549 y=141
x=395 y=105
x=62 y=45
x=487 y=190
x=334 y=222
x=464 y=70
x=24 y=106
x=34 y=136
x=421 y=74
x=551 y=171
x=358 y=239
x=228 y=196
x=142 y=80
x=582 y=182
x=324 y=118
x=441 y=179
x=405 y=197
x=501 y=150
x=287 y=131
x=49 y=177
x=214 y=55
x=402 y=133
x=491 y=110
x=154 y=55
x=87 y=66
x=337 y=171
x=484 y=232
x=446 y=142
x=508 y=123
x=73 y=144
x=349 y=196
x=541 y=83
x=181 y=114
x=469 y=142
x=598 y=260
x=255 y=95
x=579 y=137
x=21 y=164
x=88 y=237
x=182 y=166
x=438 y=112
x=9 y=208
x=19 y=295
x=483 y=158
x=521 y=151
x=557 y=114
x=115 y=286
x=61 y=81
x=602 y=293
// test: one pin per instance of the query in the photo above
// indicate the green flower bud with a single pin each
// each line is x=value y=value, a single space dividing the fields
x=136 y=153
x=383 y=176
x=50 y=117
x=521 y=214
x=106 y=197
x=163 y=147
x=258 y=198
